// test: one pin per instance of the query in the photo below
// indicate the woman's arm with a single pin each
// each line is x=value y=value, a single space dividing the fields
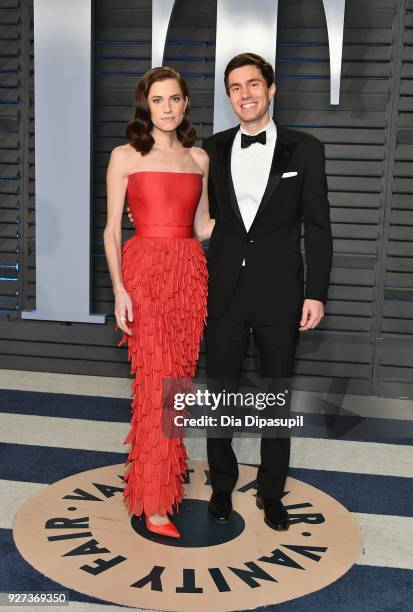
x=203 y=224
x=116 y=183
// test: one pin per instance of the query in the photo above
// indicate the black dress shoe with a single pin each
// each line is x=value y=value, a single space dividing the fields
x=220 y=507
x=275 y=515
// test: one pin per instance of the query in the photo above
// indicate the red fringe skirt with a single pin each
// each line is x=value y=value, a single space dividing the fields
x=166 y=279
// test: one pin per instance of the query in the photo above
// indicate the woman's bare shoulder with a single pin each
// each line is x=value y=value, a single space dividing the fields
x=200 y=153
x=200 y=157
x=124 y=156
x=123 y=151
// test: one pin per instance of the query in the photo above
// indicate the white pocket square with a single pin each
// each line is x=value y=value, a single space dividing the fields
x=288 y=174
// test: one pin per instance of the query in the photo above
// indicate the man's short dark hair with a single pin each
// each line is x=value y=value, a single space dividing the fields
x=250 y=59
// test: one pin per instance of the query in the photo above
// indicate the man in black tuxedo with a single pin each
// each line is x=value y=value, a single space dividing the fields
x=265 y=180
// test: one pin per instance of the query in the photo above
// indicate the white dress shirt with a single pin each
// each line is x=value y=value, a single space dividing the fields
x=250 y=169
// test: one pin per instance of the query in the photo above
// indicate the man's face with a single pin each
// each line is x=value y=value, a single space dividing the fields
x=249 y=93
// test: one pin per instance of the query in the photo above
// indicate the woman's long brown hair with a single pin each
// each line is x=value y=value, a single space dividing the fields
x=139 y=128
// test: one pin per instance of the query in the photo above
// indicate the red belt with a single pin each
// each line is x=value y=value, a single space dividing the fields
x=165 y=231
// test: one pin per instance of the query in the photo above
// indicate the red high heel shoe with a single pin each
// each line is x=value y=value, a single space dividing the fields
x=168 y=529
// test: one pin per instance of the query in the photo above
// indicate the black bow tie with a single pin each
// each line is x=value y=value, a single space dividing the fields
x=246 y=140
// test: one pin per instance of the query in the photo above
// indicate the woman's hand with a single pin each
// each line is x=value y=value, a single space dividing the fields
x=209 y=229
x=203 y=224
x=123 y=310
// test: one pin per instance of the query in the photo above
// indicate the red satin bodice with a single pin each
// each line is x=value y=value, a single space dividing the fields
x=163 y=204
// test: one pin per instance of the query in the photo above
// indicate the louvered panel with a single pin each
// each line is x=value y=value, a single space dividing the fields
x=394 y=364
x=356 y=163
x=404 y=152
x=400 y=248
x=354 y=152
x=353 y=200
x=369 y=175
x=29 y=263
x=122 y=53
x=9 y=216
x=355 y=141
x=396 y=369
x=10 y=158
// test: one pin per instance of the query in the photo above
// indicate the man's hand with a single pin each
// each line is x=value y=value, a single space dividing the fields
x=129 y=214
x=312 y=313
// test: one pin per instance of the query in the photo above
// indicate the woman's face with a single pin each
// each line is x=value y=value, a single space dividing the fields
x=167 y=104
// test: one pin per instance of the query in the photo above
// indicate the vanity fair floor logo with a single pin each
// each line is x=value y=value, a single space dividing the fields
x=77 y=532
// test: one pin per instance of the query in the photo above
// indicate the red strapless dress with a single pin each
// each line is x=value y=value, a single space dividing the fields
x=164 y=272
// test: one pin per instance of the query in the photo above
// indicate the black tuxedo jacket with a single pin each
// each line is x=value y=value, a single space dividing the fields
x=271 y=248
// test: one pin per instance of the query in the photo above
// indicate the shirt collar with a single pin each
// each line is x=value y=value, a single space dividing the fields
x=270 y=128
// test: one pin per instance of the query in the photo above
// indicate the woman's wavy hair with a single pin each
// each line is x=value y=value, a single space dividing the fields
x=138 y=130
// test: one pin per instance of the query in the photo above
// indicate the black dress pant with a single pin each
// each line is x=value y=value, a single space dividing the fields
x=226 y=341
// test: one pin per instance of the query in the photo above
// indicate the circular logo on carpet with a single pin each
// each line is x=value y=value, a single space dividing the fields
x=77 y=532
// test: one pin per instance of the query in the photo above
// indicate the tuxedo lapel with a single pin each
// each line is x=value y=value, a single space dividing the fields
x=282 y=154
x=224 y=168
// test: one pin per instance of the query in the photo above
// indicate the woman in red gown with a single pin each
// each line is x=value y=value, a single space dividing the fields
x=159 y=279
